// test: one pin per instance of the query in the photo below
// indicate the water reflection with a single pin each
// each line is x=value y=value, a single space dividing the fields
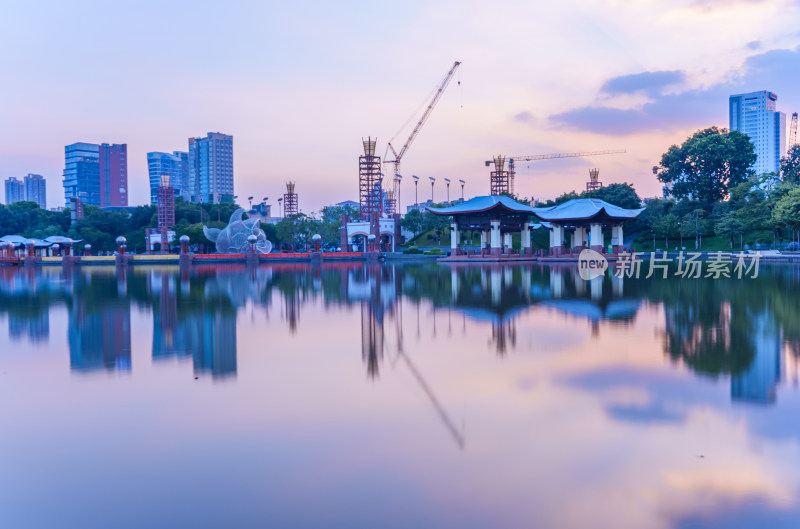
x=508 y=391
x=713 y=327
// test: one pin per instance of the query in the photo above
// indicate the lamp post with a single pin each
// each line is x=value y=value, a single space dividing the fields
x=462 y=189
x=416 y=191
x=250 y=200
x=433 y=181
x=280 y=206
x=447 y=181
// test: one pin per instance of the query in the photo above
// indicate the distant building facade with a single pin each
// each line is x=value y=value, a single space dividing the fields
x=176 y=166
x=96 y=174
x=15 y=190
x=211 y=168
x=36 y=189
x=755 y=114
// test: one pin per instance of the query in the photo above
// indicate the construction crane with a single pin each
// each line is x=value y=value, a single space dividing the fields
x=398 y=156
x=502 y=181
x=793 y=132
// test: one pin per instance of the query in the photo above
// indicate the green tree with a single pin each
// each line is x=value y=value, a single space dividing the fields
x=707 y=165
x=790 y=165
x=787 y=210
x=730 y=226
x=412 y=221
x=622 y=195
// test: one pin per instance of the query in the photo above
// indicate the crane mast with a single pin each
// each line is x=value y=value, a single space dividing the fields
x=398 y=156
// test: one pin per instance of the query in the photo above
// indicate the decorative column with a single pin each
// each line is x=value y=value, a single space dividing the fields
x=525 y=239
x=507 y=243
x=597 y=241
x=616 y=238
x=579 y=239
x=551 y=232
x=495 y=243
x=557 y=248
x=454 y=239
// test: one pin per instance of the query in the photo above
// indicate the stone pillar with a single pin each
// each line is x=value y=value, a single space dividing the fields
x=557 y=248
x=579 y=239
x=597 y=237
x=552 y=238
x=616 y=238
x=483 y=239
x=344 y=241
x=507 y=243
x=454 y=239
x=525 y=239
x=495 y=243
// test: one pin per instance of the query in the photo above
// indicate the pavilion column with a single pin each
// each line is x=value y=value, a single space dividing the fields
x=616 y=238
x=525 y=238
x=557 y=246
x=483 y=241
x=597 y=237
x=494 y=241
x=578 y=239
x=454 y=239
x=507 y=243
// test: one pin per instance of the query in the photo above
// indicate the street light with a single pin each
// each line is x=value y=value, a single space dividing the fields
x=250 y=199
x=447 y=181
x=416 y=191
x=462 y=190
x=433 y=180
x=280 y=206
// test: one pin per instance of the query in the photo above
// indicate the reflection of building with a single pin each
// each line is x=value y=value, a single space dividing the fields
x=36 y=328
x=204 y=331
x=101 y=338
x=759 y=383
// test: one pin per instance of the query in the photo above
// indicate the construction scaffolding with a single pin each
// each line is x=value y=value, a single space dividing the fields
x=370 y=182
x=290 y=203
x=499 y=179
x=166 y=205
x=594 y=184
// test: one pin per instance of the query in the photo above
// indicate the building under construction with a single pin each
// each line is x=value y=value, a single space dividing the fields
x=594 y=184
x=370 y=182
x=499 y=179
x=290 y=203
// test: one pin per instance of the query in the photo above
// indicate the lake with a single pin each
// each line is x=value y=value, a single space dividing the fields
x=397 y=396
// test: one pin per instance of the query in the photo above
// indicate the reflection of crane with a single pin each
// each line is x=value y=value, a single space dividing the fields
x=502 y=181
x=793 y=132
x=398 y=156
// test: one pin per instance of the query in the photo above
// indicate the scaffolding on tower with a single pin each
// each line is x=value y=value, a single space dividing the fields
x=594 y=184
x=290 y=206
x=370 y=182
x=499 y=179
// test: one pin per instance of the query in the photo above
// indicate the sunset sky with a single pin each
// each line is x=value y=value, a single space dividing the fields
x=299 y=84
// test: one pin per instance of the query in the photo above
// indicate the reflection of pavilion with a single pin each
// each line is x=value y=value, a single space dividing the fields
x=759 y=383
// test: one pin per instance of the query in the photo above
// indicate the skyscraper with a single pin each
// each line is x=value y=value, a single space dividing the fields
x=211 y=168
x=755 y=114
x=176 y=166
x=36 y=189
x=15 y=190
x=96 y=174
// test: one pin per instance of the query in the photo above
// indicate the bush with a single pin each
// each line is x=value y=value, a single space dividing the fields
x=413 y=250
x=435 y=251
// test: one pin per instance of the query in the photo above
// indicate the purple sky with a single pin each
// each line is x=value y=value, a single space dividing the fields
x=299 y=85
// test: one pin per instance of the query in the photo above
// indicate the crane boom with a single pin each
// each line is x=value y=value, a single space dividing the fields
x=424 y=118
x=536 y=157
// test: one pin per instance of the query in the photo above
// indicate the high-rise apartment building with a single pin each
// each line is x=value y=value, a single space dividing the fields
x=15 y=190
x=176 y=166
x=755 y=114
x=96 y=174
x=36 y=189
x=211 y=168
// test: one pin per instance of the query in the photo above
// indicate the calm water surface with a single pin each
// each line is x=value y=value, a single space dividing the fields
x=397 y=396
